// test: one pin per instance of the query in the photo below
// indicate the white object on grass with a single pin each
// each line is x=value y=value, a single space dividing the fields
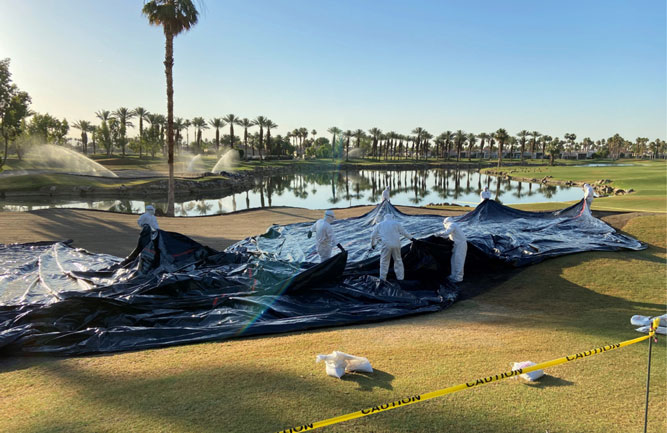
x=531 y=376
x=337 y=363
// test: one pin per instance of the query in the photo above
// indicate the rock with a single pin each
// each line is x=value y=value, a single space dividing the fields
x=630 y=190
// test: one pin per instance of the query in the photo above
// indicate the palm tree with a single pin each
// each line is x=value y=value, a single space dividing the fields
x=544 y=140
x=179 y=124
x=347 y=134
x=175 y=16
x=124 y=115
x=522 y=141
x=554 y=148
x=217 y=123
x=483 y=137
x=200 y=124
x=84 y=127
x=502 y=136
x=376 y=133
x=459 y=139
x=570 y=137
x=359 y=134
x=245 y=123
x=142 y=114
x=261 y=122
x=268 y=125
x=231 y=120
x=448 y=137
x=419 y=131
x=426 y=137
x=335 y=131
x=105 y=116
x=472 y=139
x=303 y=134
x=533 y=142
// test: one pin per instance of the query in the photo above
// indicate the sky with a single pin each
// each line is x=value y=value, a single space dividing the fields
x=594 y=68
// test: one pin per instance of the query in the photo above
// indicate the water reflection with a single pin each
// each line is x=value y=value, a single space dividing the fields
x=323 y=189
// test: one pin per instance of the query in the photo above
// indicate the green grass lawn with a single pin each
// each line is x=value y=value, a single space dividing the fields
x=262 y=384
x=647 y=178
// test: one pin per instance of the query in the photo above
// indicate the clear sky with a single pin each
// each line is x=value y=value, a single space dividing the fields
x=590 y=67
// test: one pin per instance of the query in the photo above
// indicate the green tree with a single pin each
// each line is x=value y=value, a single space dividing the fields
x=269 y=125
x=501 y=136
x=124 y=116
x=533 y=142
x=459 y=139
x=103 y=131
x=261 y=122
x=175 y=16
x=84 y=127
x=200 y=124
x=14 y=108
x=245 y=124
x=522 y=141
x=142 y=114
x=217 y=123
x=483 y=137
x=472 y=139
x=335 y=131
x=231 y=120
x=347 y=135
x=554 y=148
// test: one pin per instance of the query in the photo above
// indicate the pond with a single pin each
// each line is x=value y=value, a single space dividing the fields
x=334 y=189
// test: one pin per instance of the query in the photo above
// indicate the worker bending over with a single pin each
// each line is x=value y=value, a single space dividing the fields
x=324 y=236
x=485 y=195
x=385 y=194
x=455 y=234
x=589 y=194
x=148 y=218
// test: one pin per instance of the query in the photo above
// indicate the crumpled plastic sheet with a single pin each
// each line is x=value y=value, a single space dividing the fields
x=56 y=299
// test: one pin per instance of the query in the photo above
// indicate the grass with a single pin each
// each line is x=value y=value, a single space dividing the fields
x=262 y=384
x=647 y=178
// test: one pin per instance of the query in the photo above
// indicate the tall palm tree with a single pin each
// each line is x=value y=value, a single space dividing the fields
x=245 y=123
x=124 y=116
x=200 y=124
x=303 y=134
x=544 y=140
x=83 y=126
x=105 y=116
x=448 y=137
x=483 y=137
x=418 y=131
x=231 y=120
x=179 y=125
x=175 y=16
x=335 y=131
x=268 y=125
x=347 y=134
x=217 y=123
x=533 y=142
x=522 y=141
x=376 y=133
x=459 y=139
x=142 y=114
x=426 y=137
x=502 y=136
x=359 y=134
x=472 y=139
x=261 y=122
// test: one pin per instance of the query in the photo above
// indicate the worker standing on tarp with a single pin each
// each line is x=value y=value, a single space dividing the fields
x=148 y=218
x=389 y=232
x=455 y=234
x=589 y=194
x=385 y=194
x=485 y=195
x=324 y=235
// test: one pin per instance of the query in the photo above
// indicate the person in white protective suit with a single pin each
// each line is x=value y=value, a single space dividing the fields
x=385 y=194
x=148 y=218
x=324 y=235
x=589 y=194
x=455 y=234
x=485 y=195
x=389 y=232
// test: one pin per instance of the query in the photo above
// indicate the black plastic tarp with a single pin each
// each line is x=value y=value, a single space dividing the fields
x=55 y=299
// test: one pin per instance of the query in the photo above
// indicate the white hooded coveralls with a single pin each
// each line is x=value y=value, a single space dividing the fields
x=385 y=194
x=324 y=236
x=389 y=232
x=589 y=194
x=455 y=234
x=148 y=218
x=485 y=195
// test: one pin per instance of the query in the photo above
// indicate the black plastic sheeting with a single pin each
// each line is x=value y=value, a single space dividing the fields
x=55 y=299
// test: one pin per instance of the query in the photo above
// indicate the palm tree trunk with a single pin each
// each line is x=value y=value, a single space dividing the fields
x=168 y=65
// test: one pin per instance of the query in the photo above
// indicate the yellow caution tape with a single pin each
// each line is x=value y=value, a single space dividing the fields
x=477 y=382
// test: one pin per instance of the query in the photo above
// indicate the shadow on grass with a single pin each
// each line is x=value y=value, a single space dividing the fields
x=369 y=381
x=548 y=381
